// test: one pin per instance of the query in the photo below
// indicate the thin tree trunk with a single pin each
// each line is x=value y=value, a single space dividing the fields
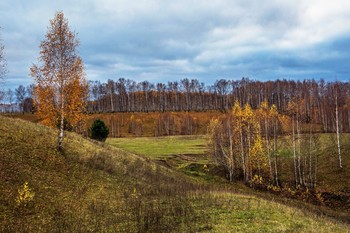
x=268 y=147
x=337 y=129
x=231 y=148
x=250 y=170
x=112 y=104
x=348 y=121
x=310 y=157
x=275 y=151
x=227 y=162
x=242 y=156
x=299 y=154
x=294 y=154
x=60 y=136
x=315 y=179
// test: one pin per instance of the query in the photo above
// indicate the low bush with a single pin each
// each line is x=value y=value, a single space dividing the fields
x=99 y=130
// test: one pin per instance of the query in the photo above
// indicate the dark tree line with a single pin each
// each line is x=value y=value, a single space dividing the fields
x=316 y=101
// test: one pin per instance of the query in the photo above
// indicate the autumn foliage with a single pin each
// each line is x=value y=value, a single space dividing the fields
x=61 y=89
x=237 y=144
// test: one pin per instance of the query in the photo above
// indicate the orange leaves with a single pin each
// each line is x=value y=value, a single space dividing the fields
x=61 y=88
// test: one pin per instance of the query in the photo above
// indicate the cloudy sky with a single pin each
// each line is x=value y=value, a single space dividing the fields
x=170 y=40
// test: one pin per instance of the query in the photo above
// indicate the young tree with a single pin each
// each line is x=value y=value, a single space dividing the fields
x=265 y=113
x=337 y=130
x=30 y=90
x=61 y=88
x=99 y=131
x=20 y=93
x=2 y=61
x=9 y=94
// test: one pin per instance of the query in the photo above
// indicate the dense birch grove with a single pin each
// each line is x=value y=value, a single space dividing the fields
x=245 y=143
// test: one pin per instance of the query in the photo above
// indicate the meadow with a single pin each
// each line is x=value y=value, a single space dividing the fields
x=189 y=154
x=95 y=187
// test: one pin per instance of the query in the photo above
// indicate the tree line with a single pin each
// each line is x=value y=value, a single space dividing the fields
x=314 y=100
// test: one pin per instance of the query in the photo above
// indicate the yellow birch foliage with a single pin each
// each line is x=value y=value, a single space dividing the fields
x=61 y=87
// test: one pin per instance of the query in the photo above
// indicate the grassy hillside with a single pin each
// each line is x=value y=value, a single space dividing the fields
x=188 y=154
x=324 y=148
x=92 y=187
x=193 y=148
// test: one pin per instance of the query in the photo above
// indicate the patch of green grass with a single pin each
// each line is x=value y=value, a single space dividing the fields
x=241 y=213
x=186 y=153
x=160 y=147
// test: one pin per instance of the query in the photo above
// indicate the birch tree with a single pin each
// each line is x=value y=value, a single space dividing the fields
x=337 y=130
x=20 y=93
x=61 y=88
x=2 y=61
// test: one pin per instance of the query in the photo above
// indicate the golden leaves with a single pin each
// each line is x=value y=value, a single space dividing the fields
x=61 y=88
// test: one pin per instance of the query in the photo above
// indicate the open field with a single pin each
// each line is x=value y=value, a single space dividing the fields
x=185 y=153
x=195 y=147
x=93 y=187
x=160 y=147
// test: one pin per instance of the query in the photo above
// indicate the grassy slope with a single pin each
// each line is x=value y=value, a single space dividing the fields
x=329 y=176
x=187 y=153
x=332 y=182
x=93 y=187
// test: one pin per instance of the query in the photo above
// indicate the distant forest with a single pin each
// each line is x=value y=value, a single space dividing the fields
x=316 y=101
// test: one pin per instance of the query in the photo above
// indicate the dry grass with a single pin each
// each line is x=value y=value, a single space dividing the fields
x=92 y=187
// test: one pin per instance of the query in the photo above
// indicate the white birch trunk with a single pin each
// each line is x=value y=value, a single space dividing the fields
x=337 y=129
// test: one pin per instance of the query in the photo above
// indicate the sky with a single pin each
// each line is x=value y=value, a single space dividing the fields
x=169 y=40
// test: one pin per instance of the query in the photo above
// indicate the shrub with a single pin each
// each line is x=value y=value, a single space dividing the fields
x=25 y=195
x=99 y=131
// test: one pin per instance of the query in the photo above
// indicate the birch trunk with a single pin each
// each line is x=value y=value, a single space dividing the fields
x=294 y=154
x=337 y=129
x=275 y=151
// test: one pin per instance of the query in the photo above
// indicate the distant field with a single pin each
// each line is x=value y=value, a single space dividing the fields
x=160 y=147
x=188 y=153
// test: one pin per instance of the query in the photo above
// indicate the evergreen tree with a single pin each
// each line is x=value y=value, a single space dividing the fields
x=99 y=130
